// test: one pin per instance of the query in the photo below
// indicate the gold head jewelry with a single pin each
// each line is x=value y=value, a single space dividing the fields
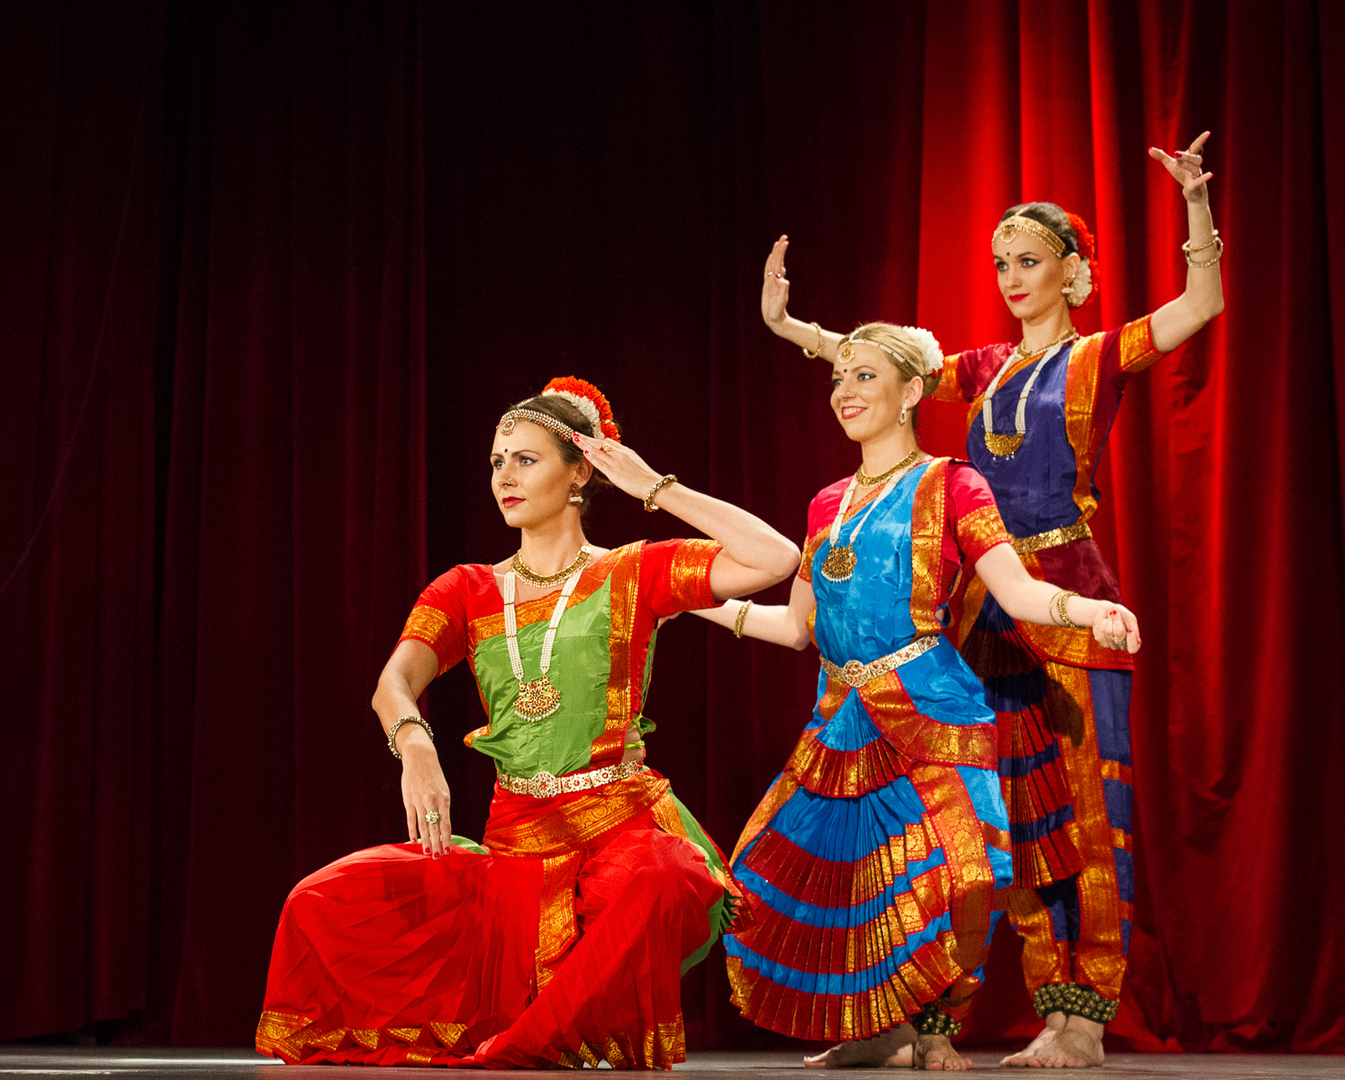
x=846 y=351
x=1009 y=226
x=544 y=420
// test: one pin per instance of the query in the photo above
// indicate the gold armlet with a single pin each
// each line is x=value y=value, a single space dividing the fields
x=742 y=619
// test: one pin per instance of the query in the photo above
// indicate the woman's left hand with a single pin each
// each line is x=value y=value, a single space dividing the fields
x=1115 y=627
x=620 y=464
x=1186 y=168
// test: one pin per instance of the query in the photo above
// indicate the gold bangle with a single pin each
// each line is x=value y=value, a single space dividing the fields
x=1218 y=246
x=649 y=504
x=1214 y=238
x=813 y=354
x=742 y=618
x=1060 y=600
x=392 y=732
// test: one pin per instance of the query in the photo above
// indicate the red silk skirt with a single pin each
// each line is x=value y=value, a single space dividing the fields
x=390 y=957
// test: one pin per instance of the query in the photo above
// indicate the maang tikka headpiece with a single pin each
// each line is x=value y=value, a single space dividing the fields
x=1018 y=223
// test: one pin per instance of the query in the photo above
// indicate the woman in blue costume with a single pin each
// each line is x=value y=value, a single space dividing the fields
x=870 y=865
x=1039 y=417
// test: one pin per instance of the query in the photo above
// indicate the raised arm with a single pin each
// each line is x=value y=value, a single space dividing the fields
x=1026 y=599
x=411 y=668
x=1203 y=299
x=774 y=300
x=755 y=556
x=782 y=624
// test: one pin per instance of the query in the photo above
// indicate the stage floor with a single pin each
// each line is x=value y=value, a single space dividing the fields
x=56 y=1062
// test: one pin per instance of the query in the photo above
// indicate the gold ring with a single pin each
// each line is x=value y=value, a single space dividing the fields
x=605 y=449
x=432 y=817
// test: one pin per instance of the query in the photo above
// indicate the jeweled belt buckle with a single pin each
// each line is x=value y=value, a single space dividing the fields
x=854 y=673
x=543 y=786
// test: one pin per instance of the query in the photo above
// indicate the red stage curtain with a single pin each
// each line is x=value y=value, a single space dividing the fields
x=273 y=270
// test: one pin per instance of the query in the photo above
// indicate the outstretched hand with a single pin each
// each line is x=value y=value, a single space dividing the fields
x=620 y=464
x=1116 y=628
x=1185 y=168
x=775 y=286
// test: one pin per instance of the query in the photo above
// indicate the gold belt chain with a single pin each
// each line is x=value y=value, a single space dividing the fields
x=857 y=674
x=545 y=785
x=1063 y=535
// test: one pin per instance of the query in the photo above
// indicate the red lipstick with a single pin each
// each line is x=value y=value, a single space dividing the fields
x=1015 y=297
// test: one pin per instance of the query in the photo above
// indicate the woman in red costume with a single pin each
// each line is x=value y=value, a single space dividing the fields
x=561 y=939
x=1039 y=417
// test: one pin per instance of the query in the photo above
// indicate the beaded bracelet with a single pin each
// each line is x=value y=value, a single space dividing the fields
x=649 y=504
x=742 y=619
x=392 y=732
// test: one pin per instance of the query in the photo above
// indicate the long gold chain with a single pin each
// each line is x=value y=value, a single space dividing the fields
x=865 y=480
x=529 y=575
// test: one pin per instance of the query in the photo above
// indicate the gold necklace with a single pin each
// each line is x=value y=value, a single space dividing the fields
x=865 y=480
x=529 y=575
x=537 y=698
x=841 y=559
x=1007 y=445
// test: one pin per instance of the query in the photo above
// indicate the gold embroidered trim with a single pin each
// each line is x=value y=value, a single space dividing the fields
x=1052 y=538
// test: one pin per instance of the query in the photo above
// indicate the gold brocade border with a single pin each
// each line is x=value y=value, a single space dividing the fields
x=921 y=737
x=810 y=546
x=927 y=526
x=658 y=1047
x=624 y=599
x=425 y=624
x=776 y=797
x=979 y=530
x=691 y=571
x=1045 y=960
x=1081 y=384
x=575 y=822
x=971 y=880
x=948 y=388
x=1099 y=959
x=1137 y=346
x=557 y=927
x=286 y=1034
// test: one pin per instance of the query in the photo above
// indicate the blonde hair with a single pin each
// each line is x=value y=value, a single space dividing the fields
x=912 y=350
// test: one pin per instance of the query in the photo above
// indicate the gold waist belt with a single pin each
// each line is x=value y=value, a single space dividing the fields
x=1054 y=538
x=857 y=674
x=545 y=785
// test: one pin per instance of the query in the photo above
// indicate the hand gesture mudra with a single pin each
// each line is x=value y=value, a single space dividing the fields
x=775 y=286
x=1116 y=628
x=1186 y=168
x=620 y=464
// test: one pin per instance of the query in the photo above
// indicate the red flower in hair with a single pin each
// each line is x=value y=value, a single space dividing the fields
x=1087 y=251
x=579 y=388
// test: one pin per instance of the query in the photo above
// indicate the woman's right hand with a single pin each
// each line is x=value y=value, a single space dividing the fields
x=425 y=792
x=775 y=287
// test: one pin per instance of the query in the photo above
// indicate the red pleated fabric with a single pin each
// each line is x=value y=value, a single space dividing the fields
x=388 y=957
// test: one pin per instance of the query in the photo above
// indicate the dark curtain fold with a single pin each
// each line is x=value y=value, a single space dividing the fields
x=273 y=270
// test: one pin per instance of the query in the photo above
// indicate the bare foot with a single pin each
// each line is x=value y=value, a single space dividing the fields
x=937 y=1053
x=1077 y=1045
x=893 y=1049
x=1055 y=1024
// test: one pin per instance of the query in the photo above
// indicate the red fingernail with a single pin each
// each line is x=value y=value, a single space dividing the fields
x=575 y=436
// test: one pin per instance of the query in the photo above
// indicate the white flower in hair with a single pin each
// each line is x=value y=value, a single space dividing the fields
x=584 y=405
x=931 y=352
x=1082 y=286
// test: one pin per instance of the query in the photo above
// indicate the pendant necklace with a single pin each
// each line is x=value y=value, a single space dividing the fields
x=1006 y=445
x=537 y=698
x=841 y=559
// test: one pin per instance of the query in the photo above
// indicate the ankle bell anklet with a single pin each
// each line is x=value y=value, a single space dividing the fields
x=1074 y=999
x=931 y=1020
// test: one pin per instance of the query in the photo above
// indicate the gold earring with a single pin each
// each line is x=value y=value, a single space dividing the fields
x=575 y=497
x=902 y=418
x=1066 y=288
